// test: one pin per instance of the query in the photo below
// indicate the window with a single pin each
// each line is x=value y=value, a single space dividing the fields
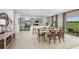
x=72 y=25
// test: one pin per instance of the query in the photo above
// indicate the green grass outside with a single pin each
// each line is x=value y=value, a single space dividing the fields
x=73 y=25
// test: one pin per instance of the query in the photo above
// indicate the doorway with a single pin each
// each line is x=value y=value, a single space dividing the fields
x=72 y=25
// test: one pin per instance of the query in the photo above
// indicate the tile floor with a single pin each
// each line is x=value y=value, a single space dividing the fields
x=76 y=38
x=26 y=40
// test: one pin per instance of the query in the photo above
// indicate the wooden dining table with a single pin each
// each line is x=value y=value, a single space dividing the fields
x=48 y=33
x=48 y=30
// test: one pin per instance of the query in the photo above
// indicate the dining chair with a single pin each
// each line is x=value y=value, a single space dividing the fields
x=61 y=32
x=50 y=27
x=54 y=35
x=51 y=35
x=58 y=35
x=40 y=35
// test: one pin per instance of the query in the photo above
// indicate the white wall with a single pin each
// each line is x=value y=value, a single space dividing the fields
x=44 y=21
x=27 y=18
x=16 y=17
x=54 y=19
x=60 y=20
x=50 y=20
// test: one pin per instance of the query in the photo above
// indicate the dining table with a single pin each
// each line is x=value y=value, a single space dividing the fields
x=48 y=34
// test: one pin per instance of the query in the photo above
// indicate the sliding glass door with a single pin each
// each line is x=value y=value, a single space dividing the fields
x=72 y=25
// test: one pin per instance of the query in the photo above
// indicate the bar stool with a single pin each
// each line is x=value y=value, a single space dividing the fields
x=34 y=31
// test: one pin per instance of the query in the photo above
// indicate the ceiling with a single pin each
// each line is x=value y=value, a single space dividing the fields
x=40 y=12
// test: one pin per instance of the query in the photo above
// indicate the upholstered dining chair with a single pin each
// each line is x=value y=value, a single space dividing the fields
x=54 y=35
x=61 y=32
x=57 y=34
x=40 y=35
x=50 y=27
x=51 y=35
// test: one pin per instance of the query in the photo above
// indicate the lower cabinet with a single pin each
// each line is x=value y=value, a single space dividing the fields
x=2 y=44
x=8 y=40
x=5 y=43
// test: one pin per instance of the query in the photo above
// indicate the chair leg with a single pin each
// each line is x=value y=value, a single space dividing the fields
x=63 y=38
x=59 y=39
x=54 y=40
x=33 y=31
x=39 y=39
x=49 y=41
x=50 y=38
x=44 y=38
